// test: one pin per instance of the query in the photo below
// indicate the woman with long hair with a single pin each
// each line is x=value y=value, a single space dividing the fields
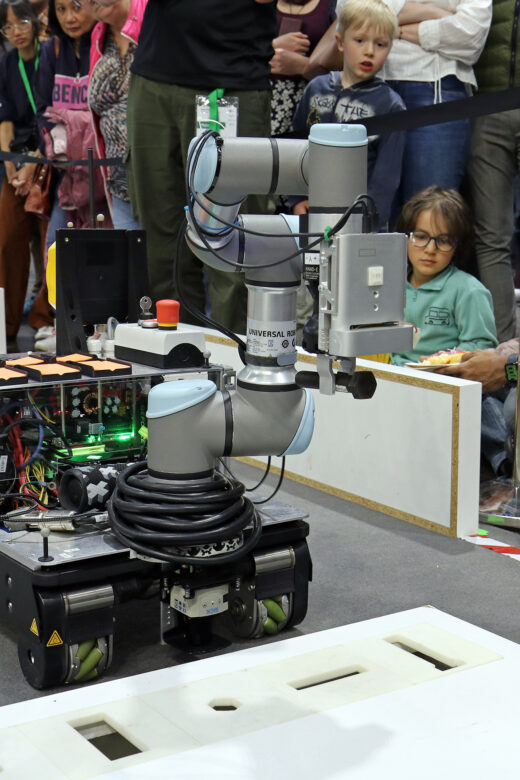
x=114 y=41
x=18 y=133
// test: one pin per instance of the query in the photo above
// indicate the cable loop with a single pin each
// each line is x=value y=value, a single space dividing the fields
x=155 y=517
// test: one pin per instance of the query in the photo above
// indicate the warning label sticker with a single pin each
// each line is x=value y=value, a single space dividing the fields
x=34 y=627
x=271 y=339
x=55 y=640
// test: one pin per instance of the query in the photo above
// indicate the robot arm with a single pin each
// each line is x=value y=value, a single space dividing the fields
x=191 y=424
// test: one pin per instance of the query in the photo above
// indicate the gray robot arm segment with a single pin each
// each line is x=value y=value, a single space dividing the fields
x=189 y=425
x=260 y=256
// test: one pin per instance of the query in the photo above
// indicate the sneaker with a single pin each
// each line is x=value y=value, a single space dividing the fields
x=43 y=332
x=47 y=344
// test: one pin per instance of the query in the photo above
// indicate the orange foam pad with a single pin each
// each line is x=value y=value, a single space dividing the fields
x=108 y=365
x=76 y=357
x=8 y=373
x=56 y=368
x=24 y=361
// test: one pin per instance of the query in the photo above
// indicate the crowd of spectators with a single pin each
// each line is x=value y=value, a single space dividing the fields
x=129 y=78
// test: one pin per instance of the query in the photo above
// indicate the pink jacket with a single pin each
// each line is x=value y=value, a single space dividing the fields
x=73 y=192
x=131 y=30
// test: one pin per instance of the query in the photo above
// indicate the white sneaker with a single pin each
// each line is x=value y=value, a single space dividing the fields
x=43 y=332
x=47 y=344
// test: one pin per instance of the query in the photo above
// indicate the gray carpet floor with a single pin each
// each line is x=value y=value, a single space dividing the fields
x=365 y=565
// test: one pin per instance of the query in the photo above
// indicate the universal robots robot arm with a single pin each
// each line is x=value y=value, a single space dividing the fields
x=199 y=518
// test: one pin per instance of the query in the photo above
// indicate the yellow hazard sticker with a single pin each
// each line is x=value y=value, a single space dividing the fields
x=55 y=640
x=34 y=627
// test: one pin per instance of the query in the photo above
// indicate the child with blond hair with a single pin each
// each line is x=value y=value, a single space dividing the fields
x=366 y=29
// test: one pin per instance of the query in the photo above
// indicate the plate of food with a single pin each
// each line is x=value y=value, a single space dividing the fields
x=425 y=366
x=445 y=357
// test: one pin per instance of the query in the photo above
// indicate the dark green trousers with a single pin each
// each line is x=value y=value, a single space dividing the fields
x=161 y=124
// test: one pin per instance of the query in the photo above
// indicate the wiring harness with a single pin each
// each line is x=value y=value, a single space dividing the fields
x=36 y=462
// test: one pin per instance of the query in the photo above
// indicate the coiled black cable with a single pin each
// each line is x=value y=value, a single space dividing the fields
x=152 y=518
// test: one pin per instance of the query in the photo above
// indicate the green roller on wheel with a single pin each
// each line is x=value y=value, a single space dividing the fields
x=274 y=610
x=88 y=665
x=270 y=627
x=85 y=648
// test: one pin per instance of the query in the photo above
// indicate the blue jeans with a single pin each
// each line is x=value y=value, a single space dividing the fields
x=494 y=429
x=122 y=215
x=58 y=219
x=435 y=154
x=510 y=410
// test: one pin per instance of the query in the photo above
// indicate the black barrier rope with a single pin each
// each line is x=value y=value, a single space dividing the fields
x=467 y=108
x=32 y=158
x=436 y=114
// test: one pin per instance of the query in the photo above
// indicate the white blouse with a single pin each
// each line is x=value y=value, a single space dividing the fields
x=448 y=47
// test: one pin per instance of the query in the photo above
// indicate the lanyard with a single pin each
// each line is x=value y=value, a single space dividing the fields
x=213 y=99
x=21 y=68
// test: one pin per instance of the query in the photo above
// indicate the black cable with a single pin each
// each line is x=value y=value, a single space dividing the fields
x=255 y=487
x=266 y=472
x=278 y=486
x=24 y=421
x=151 y=518
x=41 y=424
x=54 y=459
x=302 y=250
x=193 y=310
x=37 y=501
x=22 y=510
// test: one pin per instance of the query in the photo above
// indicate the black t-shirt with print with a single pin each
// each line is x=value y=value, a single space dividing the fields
x=15 y=105
x=207 y=44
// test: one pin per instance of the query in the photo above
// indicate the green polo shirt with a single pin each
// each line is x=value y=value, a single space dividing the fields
x=452 y=310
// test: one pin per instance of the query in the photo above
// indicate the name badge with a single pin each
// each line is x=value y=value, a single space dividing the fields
x=225 y=123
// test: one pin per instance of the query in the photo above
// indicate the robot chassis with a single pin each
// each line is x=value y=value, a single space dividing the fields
x=179 y=525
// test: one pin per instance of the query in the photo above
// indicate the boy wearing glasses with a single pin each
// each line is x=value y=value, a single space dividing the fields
x=366 y=29
x=449 y=307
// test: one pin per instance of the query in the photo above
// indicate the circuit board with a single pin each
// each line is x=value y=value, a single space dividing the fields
x=45 y=429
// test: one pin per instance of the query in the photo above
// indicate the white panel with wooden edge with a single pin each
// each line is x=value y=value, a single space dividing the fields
x=412 y=451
